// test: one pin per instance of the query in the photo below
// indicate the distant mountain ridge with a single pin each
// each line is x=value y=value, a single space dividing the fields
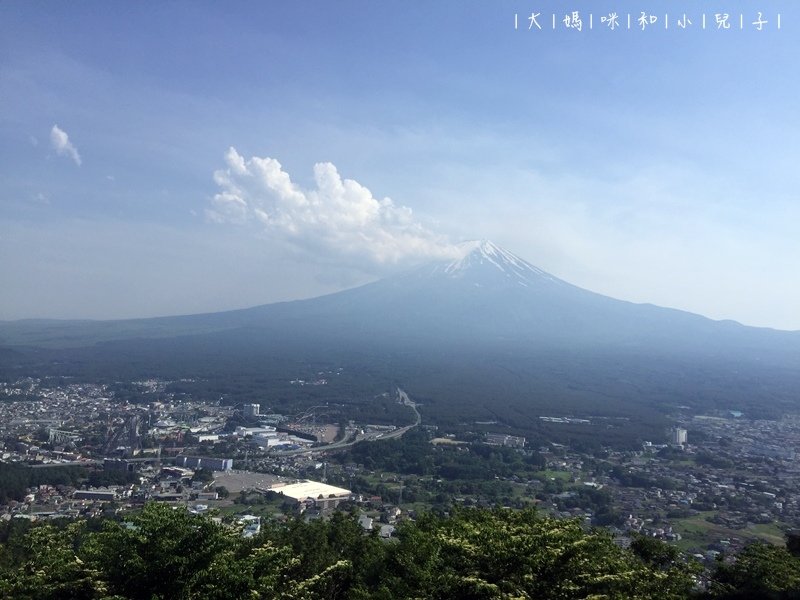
x=485 y=336
x=486 y=294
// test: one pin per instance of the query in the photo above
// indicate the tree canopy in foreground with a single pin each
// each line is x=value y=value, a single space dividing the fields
x=166 y=553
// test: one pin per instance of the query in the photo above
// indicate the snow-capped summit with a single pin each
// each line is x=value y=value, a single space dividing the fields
x=486 y=257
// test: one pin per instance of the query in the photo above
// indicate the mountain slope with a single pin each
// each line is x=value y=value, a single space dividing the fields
x=487 y=295
x=491 y=296
x=485 y=337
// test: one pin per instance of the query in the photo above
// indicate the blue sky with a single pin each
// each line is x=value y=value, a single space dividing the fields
x=138 y=149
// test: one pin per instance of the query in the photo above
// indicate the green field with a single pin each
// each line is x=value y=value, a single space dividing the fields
x=698 y=532
x=550 y=474
x=259 y=510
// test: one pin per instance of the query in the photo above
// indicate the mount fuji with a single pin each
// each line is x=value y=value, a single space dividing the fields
x=484 y=296
x=485 y=329
x=488 y=295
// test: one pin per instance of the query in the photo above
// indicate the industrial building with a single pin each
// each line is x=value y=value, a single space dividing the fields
x=500 y=439
x=118 y=464
x=200 y=462
x=102 y=495
x=313 y=493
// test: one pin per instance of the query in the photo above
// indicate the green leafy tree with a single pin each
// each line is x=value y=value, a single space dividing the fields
x=793 y=542
x=52 y=570
x=506 y=554
x=157 y=553
x=203 y=475
x=759 y=571
x=655 y=553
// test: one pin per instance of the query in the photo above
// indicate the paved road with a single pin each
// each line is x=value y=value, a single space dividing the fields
x=354 y=439
x=418 y=419
x=74 y=463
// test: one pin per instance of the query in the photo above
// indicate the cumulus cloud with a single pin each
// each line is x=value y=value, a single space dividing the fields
x=339 y=217
x=61 y=144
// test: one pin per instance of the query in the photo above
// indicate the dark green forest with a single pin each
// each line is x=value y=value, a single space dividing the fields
x=626 y=396
x=15 y=479
x=166 y=553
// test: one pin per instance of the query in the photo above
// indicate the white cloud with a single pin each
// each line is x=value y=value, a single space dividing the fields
x=61 y=144
x=340 y=217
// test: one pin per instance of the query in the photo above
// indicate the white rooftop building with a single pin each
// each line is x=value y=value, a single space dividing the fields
x=323 y=495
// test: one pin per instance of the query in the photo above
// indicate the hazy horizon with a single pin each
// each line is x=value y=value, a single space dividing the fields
x=192 y=157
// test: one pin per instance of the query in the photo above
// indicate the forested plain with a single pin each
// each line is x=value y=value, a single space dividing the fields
x=628 y=399
x=469 y=553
